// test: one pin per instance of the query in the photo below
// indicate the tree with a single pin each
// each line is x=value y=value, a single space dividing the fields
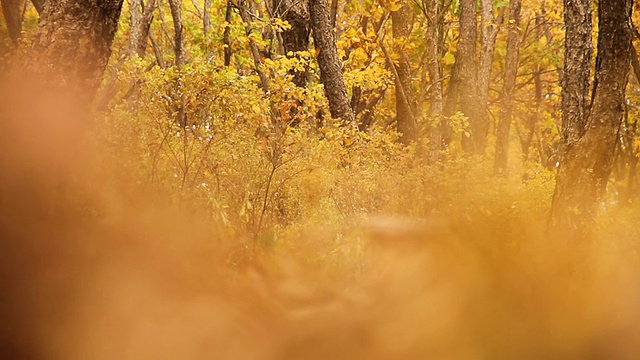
x=328 y=61
x=141 y=15
x=489 y=25
x=466 y=65
x=401 y=25
x=72 y=44
x=577 y=69
x=584 y=171
x=435 y=15
x=12 y=17
x=509 y=87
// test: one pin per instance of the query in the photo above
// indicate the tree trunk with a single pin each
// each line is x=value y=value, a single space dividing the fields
x=12 y=18
x=145 y=28
x=72 y=44
x=328 y=61
x=583 y=174
x=434 y=19
x=466 y=58
x=489 y=26
x=39 y=5
x=226 y=35
x=295 y=39
x=401 y=27
x=135 y=16
x=253 y=47
x=577 y=69
x=508 y=90
x=206 y=18
x=178 y=40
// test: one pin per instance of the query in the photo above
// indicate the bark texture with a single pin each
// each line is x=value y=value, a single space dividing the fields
x=466 y=58
x=135 y=22
x=577 y=69
x=401 y=27
x=328 y=61
x=508 y=90
x=583 y=174
x=72 y=44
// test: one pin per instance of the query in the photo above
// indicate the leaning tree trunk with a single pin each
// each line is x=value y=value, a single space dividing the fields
x=73 y=43
x=584 y=172
x=577 y=69
x=466 y=64
x=510 y=73
x=328 y=61
x=401 y=26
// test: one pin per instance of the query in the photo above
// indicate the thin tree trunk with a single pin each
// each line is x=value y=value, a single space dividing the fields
x=334 y=13
x=577 y=69
x=178 y=40
x=206 y=18
x=466 y=58
x=328 y=61
x=178 y=50
x=435 y=75
x=401 y=27
x=508 y=91
x=253 y=47
x=226 y=35
x=584 y=172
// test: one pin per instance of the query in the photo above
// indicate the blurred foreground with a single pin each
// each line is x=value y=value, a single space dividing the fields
x=391 y=260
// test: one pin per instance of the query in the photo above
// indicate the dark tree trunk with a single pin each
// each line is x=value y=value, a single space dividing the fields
x=508 y=90
x=295 y=39
x=577 y=69
x=226 y=35
x=584 y=172
x=73 y=42
x=38 y=4
x=13 y=18
x=401 y=26
x=466 y=58
x=328 y=61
